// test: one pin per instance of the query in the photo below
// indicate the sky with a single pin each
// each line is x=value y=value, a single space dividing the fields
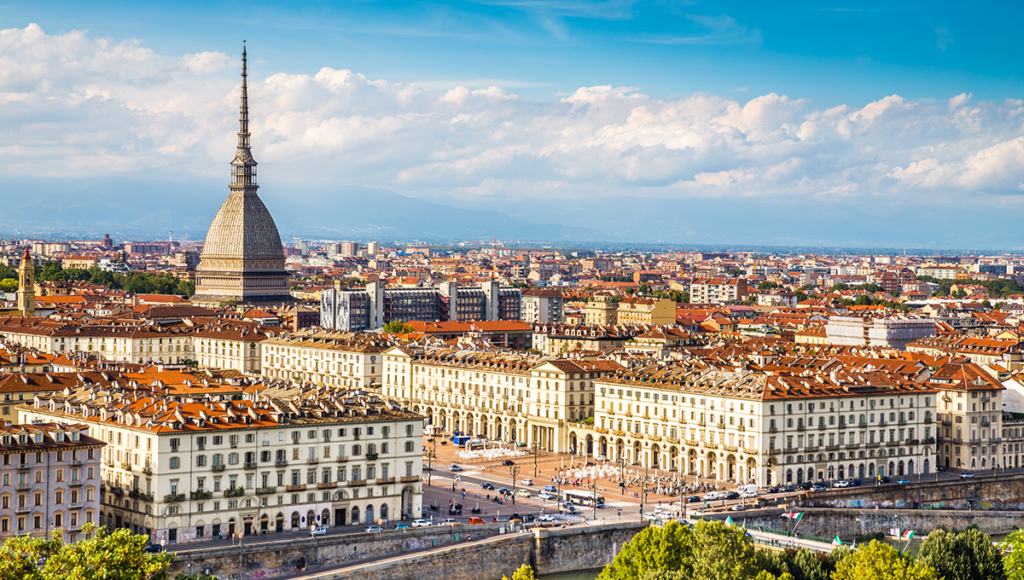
x=529 y=106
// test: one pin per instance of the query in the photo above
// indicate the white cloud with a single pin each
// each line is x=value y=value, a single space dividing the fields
x=78 y=105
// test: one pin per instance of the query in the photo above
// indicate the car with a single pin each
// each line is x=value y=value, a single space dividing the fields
x=600 y=458
x=711 y=496
x=569 y=508
x=650 y=516
x=150 y=549
x=738 y=507
x=902 y=481
x=940 y=468
x=770 y=490
x=474 y=521
x=526 y=481
x=841 y=483
x=500 y=519
x=887 y=479
x=507 y=462
x=545 y=518
x=856 y=483
x=529 y=518
x=401 y=527
x=788 y=489
x=524 y=493
x=818 y=487
x=748 y=494
x=504 y=491
x=515 y=518
x=422 y=523
x=966 y=476
x=731 y=495
x=373 y=528
x=449 y=521
x=550 y=488
x=487 y=485
x=806 y=486
x=318 y=531
x=693 y=498
x=454 y=467
x=546 y=495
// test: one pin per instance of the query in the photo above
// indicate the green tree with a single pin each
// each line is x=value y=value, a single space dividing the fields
x=878 y=561
x=1013 y=562
x=767 y=285
x=968 y=555
x=645 y=288
x=229 y=303
x=525 y=572
x=102 y=555
x=708 y=550
x=8 y=285
x=684 y=297
x=184 y=576
x=397 y=327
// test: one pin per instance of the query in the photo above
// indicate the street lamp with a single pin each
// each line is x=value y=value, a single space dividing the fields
x=431 y=453
x=514 y=470
x=622 y=474
x=643 y=494
x=536 y=447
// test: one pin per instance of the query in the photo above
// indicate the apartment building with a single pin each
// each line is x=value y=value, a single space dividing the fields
x=970 y=412
x=50 y=475
x=375 y=306
x=542 y=306
x=284 y=458
x=510 y=397
x=602 y=310
x=649 y=311
x=718 y=291
x=333 y=359
x=224 y=344
x=887 y=332
x=763 y=429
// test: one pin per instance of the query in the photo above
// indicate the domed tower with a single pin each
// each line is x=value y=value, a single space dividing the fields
x=242 y=258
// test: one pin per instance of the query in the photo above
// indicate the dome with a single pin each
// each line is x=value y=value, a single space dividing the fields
x=243 y=229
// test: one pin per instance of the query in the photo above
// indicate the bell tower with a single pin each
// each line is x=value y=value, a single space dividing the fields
x=26 y=286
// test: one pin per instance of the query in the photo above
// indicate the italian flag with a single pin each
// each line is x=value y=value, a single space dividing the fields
x=793 y=515
x=728 y=521
x=836 y=541
x=908 y=535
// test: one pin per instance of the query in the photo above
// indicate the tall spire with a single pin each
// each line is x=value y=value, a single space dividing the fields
x=243 y=167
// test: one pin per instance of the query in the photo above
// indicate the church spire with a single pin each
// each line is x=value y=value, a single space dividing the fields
x=243 y=167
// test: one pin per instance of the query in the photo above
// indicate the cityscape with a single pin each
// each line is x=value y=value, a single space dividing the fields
x=497 y=382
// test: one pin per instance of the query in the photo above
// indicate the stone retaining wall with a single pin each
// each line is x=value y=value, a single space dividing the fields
x=1004 y=492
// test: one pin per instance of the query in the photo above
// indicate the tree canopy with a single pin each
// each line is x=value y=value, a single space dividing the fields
x=878 y=561
x=967 y=555
x=397 y=327
x=101 y=555
x=134 y=282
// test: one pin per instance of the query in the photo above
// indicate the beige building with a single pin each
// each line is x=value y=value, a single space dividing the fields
x=333 y=359
x=502 y=396
x=603 y=310
x=970 y=413
x=764 y=429
x=649 y=311
x=282 y=459
x=718 y=291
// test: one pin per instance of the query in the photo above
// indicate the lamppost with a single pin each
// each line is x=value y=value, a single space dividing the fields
x=431 y=453
x=536 y=447
x=622 y=474
x=558 y=489
x=643 y=493
x=514 y=470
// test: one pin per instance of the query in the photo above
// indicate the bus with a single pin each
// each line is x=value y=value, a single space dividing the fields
x=586 y=498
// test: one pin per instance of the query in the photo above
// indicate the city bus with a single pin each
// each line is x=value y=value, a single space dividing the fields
x=586 y=498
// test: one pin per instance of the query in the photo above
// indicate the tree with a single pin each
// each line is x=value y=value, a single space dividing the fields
x=668 y=548
x=229 y=303
x=525 y=572
x=708 y=550
x=117 y=555
x=1013 y=562
x=397 y=327
x=645 y=288
x=878 y=561
x=968 y=555
x=767 y=285
x=8 y=285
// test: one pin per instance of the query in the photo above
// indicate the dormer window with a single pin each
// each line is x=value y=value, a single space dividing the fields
x=60 y=436
x=39 y=437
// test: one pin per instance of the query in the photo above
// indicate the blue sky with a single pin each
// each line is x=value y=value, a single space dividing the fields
x=829 y=108
x=830 y=52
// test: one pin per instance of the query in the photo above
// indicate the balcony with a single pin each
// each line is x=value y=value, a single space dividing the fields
x=117 y=491
x=882 y=423
x=831 y=448
x=23 y=509
x=234 y=492
x=126 y=466
x=730 y=448
x=410 y=478
x=799 y=427
x=913 y=442
x=720 y=425
x=357 y=483
x=147 y=470
x=852 y=445
x=862 y=425
x=774 y=451
x=385 y=480
x=174 y=497
x=75 y=483
x=872 y=445
x=929 y=441
x=76 y=463
x=773 y=429
x=250 y=465
x=299 y=487
x=281 y=463
x=23 y=487
x=327 y=485
x=927 y=419
x=217 y=467
x=902 y=421
x=811 y=448
x=312 y=461
x=821 y=427
x=23 y=467
x=137 y=493
x=893 y=443
x=76 y=505
x=266 y=490
x=201 y=494
x=342 y=458
x=842 y=425
x=691 y=442
x=741 y=428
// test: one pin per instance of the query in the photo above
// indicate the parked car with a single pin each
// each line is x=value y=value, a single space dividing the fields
x=474 y=521
x=773 y=489
x=507 y=462
x=152 y=549
x=841 y=483
x=545 y=518
x=788 y=489
x=373 y=528
x=693 y=498
x=487 y=485
x=515 y=518
x=318 y=531
x=730 y=495
x=421 y=523
x=401 y=527
x=819 y=487
x=748 y=494
x=524 y=493
x=450 y=521
x=454 y=467
x=737 y=507
x=526 y=481
x=600 y=458
x=966 y=476
x=504 y=491
x=856 y=483
x=550 y=488
x=902 y=481
x=712 y=496
x=887 y=479
x=546 y=495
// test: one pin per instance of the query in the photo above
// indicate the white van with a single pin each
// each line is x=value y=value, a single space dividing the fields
x=747 y=490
